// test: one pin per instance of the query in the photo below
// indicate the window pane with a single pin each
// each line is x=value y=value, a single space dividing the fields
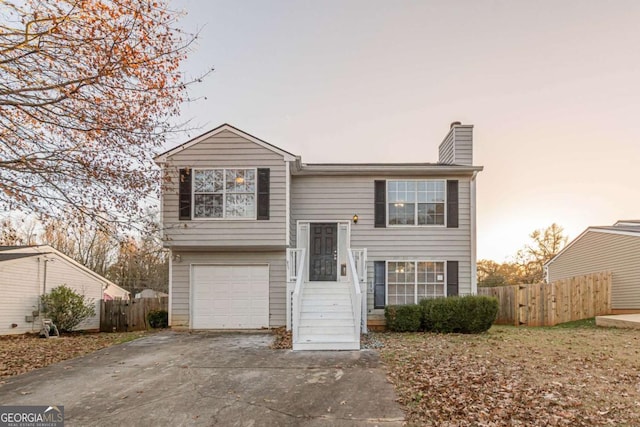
x=433 y=286
x=240 y=206
x=203 y=181
x=207 y=206
x=431 y=214
x=400 y=282
x=401 y=213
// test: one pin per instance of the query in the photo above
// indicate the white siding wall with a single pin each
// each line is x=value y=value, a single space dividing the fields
x=20 y=287
x=225 y=150
x=181 y=281
x=21 y=283
x=595 y=252
x=340 y=197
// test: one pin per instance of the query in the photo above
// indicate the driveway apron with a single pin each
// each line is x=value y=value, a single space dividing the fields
x=227 y=379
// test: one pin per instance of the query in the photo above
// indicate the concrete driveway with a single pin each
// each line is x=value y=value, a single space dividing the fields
x=226 y=379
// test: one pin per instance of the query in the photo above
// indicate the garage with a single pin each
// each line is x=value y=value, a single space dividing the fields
x=230 y=296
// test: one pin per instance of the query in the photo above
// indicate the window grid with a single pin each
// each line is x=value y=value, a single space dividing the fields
x=224 y=193
x=408 y=282
x=417 y=202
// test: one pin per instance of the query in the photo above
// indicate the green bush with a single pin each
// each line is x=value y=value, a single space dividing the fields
x=67 y=308
x=403 y=318
x=467 y=315
x=158 y=319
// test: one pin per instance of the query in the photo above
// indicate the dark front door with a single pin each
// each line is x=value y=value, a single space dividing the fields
x=323 y=252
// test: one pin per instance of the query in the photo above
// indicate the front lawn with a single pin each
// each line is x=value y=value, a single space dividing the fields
x=566 y=375
x=24 y=353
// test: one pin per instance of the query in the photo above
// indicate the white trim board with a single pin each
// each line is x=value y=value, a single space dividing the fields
x=161 y=158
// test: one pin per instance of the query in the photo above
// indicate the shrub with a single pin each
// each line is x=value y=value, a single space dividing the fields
x=158 y=319
x=467 y=315
x=67 y=308
x=403 y=318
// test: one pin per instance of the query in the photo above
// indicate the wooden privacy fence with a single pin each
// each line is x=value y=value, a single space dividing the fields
x=126 y=316
x=547 y=304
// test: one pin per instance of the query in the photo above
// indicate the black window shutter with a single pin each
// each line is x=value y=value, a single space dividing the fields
x=379 y=281
x=380 y=208
x=452 y=278
x=452 y=204
x=184 y=189
x=263 y=193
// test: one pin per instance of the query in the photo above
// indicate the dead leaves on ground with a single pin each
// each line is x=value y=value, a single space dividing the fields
x=23 y=353
x=517 y=377
x=282 y=339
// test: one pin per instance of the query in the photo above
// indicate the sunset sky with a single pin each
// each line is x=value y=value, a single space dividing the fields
x=552 y=87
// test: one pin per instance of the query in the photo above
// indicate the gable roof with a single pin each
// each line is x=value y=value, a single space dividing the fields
x=626 y=228
x=160 y=158
x=9 y=257
x=17 y=252
x=10 y=248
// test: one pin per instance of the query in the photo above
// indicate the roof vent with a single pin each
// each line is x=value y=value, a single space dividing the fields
x=454 y=124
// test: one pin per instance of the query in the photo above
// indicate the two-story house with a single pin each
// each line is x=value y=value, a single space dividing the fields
x=259 y=239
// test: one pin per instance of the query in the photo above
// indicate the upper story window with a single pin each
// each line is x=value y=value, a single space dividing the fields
x=416 y=202
x=224 y=193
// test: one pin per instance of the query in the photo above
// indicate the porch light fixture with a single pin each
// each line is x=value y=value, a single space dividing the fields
x=355 y=218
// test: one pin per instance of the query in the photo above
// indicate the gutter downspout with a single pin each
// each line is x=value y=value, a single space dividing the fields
x=474 y=267
x=287 y=202
x=170 y=285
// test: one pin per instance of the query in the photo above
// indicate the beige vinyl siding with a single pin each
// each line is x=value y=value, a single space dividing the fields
x=457 y=146
x=463 y=136
x=319 y=198
x=598 y=251
x=181 y=281
x=21 y=284
x=225 y=150
x=445 y=150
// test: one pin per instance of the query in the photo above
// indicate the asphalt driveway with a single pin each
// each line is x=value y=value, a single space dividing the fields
x=226 y=379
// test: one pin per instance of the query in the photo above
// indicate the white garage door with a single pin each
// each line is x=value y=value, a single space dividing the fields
x=230 y=296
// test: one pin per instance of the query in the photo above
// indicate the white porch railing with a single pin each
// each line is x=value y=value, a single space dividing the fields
x=294 y=263
x=356 y=295
x=360 y=260
x=296 y=298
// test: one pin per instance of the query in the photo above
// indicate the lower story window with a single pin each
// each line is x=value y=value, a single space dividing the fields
x=410 y=281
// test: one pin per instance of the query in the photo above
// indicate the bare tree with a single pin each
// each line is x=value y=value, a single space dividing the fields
x=88 y=89
x=545 y=245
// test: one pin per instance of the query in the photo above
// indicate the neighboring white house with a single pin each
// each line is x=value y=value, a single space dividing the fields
x=607 y=248
x=260 y=239
x=26 y=272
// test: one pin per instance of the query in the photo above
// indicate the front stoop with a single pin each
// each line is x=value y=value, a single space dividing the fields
x=326 y=319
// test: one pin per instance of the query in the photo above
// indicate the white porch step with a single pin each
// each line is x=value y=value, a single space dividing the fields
x=341 y=287
x=334 y=345
x=326 y=291
x=331 y=323
x=331 y=297
x=326 y=337
x=324 y=308
x=328 y=315
x=318 y=329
